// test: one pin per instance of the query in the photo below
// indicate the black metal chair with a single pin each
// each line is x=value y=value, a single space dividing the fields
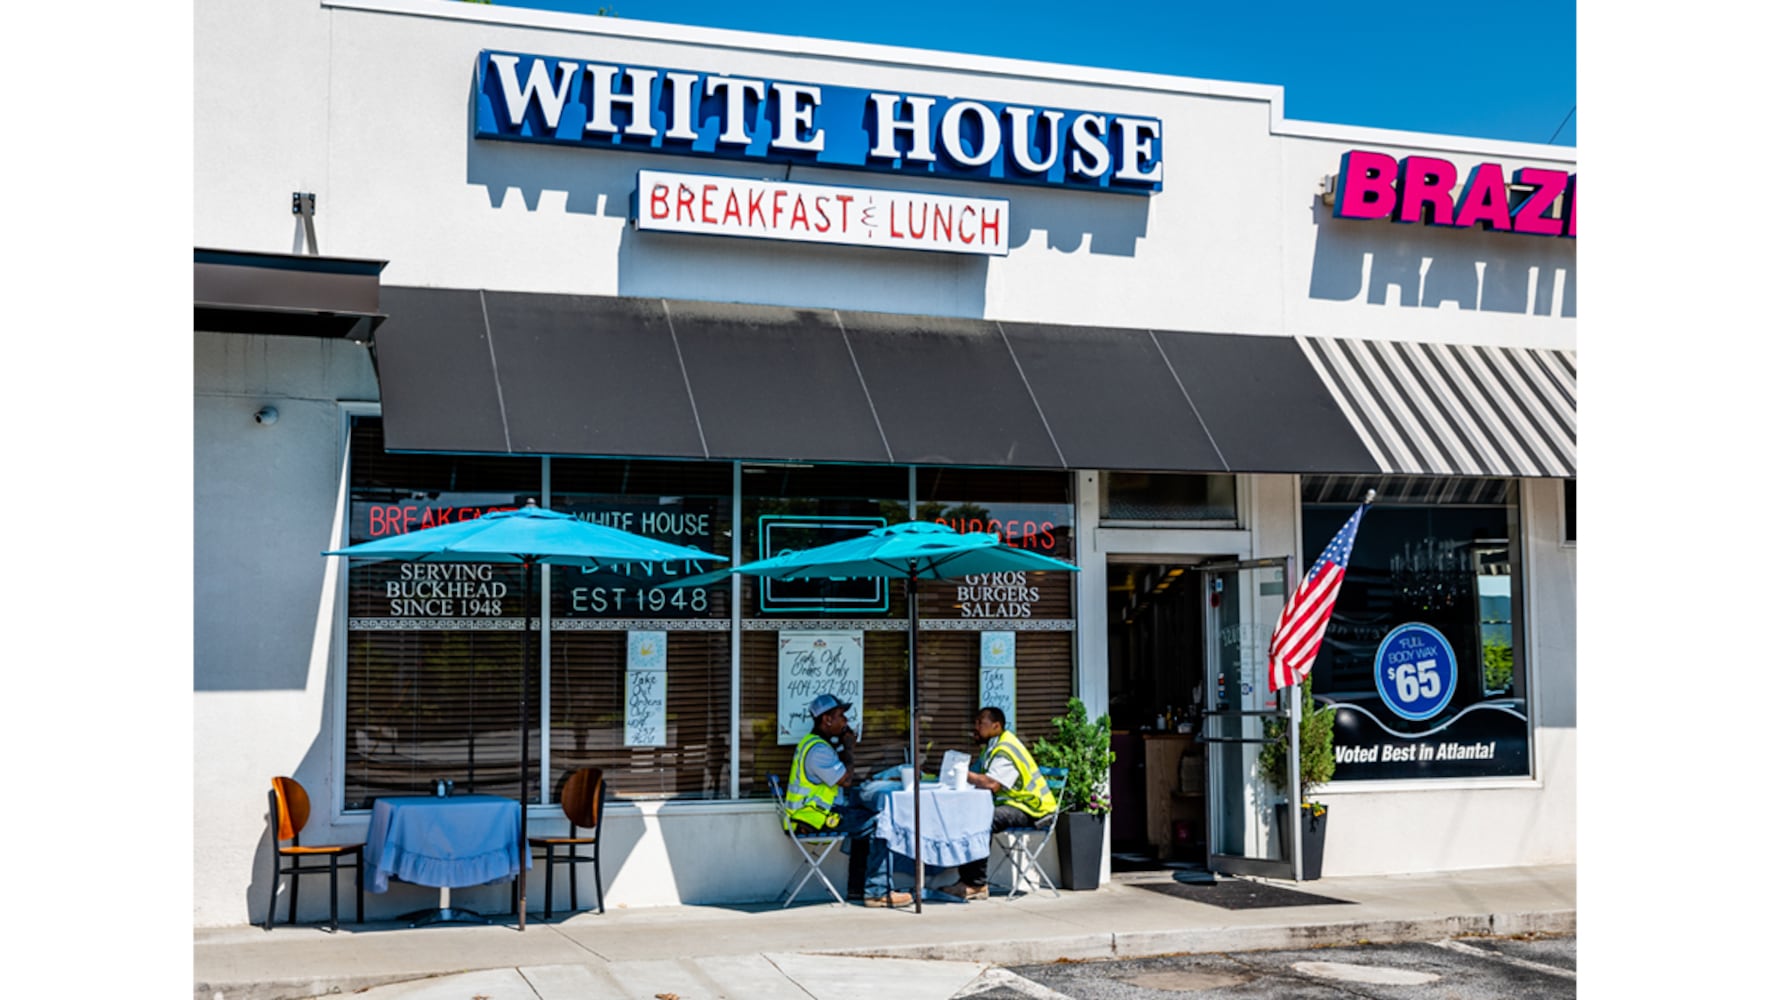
x=581 y=801
x=289 y=809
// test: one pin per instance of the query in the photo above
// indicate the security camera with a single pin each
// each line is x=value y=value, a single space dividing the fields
x=266 y=415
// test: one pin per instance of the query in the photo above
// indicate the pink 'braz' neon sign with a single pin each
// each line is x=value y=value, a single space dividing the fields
x=1419 y=189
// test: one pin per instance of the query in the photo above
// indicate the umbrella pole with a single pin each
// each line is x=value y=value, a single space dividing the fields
x=522 y=793
x=472 y=734
x=915 y=745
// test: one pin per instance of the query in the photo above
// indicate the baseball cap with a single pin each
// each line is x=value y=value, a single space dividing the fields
x=827 y=703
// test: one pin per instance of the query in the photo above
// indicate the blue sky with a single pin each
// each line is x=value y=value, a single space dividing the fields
x=1439 y=68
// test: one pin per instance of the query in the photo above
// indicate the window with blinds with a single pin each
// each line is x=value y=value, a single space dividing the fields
x=589 y=719
x=1030 y=509
x=688 y=753
x=434 y=651
x=424 y=705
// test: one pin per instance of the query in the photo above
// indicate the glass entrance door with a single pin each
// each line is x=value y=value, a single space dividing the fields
x=1242 y=604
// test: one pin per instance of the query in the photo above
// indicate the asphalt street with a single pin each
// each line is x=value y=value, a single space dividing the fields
x=1467 y=969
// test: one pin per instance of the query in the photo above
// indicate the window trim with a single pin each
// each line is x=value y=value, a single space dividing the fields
x=338 y=659
x=1381 y=785
x=1561 y=520
x=1214 y=524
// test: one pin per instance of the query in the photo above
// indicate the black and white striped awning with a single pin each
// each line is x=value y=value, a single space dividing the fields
x=1441 y=409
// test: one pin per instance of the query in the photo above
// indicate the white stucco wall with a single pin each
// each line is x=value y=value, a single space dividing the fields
x=1388 y=281
x=265 y=497
x=367 y=103
x=368 y=106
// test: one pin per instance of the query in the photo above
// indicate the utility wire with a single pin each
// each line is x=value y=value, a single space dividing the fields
x=1564 y=122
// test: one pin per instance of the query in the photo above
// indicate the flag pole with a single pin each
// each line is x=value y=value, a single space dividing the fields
x=1294 y=765
x=522 y=794
x=1294 y=752
x=1296 y=796
x=915 y=752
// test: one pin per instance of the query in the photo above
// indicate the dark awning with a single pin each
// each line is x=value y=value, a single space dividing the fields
x=240 y=291
x=526 y=373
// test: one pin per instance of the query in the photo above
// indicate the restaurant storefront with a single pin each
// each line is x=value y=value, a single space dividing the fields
x=1162 y=333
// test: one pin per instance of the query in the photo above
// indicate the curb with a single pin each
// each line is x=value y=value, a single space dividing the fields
x=1151 y=944
x=317 y=986
x=1038 y=951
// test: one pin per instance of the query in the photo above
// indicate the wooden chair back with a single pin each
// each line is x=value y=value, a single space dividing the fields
x=293 y=807
x=581 y=797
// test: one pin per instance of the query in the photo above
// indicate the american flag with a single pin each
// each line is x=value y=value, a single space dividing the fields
x=1305 y=617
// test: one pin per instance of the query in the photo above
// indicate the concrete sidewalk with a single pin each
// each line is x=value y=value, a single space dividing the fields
x=828 y=950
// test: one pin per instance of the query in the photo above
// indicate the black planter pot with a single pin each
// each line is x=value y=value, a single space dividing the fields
x=1314 y=838
x=1080 y=840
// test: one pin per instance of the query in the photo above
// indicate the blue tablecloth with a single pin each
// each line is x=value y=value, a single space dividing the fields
x=456 y=841
x=955 y=823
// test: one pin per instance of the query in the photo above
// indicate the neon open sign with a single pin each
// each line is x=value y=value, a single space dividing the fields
x=530 y=98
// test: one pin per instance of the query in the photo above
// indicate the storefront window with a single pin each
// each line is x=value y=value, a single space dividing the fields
x=640 y=673
x=1031 y=510
x=434 y=650
x=800 y=639
x=1026 y=618
x=636 y=676
x=1167 y=496
x=1420 y=656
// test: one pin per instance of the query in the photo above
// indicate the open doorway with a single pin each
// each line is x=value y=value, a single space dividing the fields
x=1157 y=691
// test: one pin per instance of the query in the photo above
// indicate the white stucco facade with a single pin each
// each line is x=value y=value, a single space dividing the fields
x=367 y=104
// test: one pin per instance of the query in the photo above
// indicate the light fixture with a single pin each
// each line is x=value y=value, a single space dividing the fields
x=303 y=204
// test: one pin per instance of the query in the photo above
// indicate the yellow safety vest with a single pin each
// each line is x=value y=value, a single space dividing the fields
x=807 y=802
x=1030 y=795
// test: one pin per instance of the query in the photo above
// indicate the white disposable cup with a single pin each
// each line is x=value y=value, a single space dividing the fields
x=908 y=775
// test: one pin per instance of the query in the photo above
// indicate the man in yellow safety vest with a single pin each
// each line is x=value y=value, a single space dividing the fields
x=823 y=765
x=1022 y=796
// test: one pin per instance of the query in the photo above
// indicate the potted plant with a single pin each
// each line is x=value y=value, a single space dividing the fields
x=1085 y=749
x=1315 y=767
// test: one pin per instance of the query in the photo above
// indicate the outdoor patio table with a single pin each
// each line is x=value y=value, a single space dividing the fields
x=447 y=842
x=955 y=822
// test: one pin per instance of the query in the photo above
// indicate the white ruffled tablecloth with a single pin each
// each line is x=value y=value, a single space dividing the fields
x=955 y=823
x=452 y=842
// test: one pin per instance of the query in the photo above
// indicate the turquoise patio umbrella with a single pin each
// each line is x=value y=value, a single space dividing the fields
x=911 y=551
x=529 y=536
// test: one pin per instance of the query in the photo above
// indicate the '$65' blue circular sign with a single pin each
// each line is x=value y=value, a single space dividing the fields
x=1416 y=671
